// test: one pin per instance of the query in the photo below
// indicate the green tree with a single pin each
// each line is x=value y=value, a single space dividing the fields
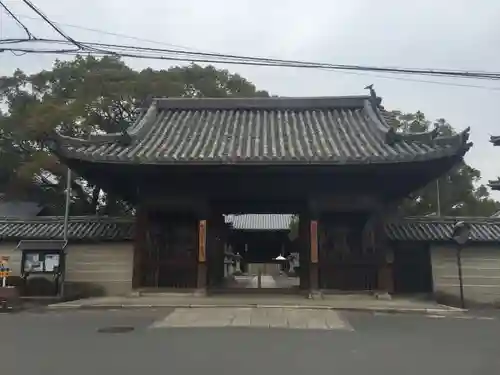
x=81 y=97
x=460 y=193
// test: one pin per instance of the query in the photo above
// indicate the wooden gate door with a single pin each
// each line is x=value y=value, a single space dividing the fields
x=343 y=265
x=171 y=256
x=412 y=268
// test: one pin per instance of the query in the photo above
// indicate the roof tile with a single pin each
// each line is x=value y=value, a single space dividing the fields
x=335 y=130
x=122 y=229
x=260 y=221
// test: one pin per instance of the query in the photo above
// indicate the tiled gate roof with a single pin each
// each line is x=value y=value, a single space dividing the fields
x=260 y=221
x=318 y=130
x=432 y=229
x=80 y=228
x=122 y=229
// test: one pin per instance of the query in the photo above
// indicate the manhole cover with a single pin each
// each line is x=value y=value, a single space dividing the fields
x=117 y=329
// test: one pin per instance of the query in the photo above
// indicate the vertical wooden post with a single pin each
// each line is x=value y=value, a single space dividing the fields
x=202 y=255
x=202 y=241
x=140 y=232
x=385 y=274
x=313 y=241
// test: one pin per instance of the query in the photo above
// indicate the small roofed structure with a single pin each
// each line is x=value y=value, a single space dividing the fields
x=337 y=162
x=495 y=184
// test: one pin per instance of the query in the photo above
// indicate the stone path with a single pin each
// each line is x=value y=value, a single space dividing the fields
x=254 y=317
x=266 y=282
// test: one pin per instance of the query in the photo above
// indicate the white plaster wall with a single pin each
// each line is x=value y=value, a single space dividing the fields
x=91 y=268
x=480 y=269
x=100 y=268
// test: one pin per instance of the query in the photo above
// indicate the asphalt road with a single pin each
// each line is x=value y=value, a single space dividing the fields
x=69 y=343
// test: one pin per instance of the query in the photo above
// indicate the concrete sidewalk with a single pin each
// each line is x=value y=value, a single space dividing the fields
x=358 y=302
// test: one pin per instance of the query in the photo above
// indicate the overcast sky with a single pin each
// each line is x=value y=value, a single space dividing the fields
x=451 y=34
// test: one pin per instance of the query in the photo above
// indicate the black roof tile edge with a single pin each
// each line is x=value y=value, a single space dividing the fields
x=103 y=229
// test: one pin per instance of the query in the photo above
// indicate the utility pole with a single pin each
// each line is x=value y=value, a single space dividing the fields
x=66 y=207
x=438 y=197
x=62 y=262
x=461 y=235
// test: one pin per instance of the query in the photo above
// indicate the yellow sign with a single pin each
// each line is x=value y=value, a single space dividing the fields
x=5 y=273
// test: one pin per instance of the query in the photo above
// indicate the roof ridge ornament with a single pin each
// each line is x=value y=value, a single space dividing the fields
x=432 y=138
x=421 y=137
x=375 y=101
x=495 y=184
x=495 y=139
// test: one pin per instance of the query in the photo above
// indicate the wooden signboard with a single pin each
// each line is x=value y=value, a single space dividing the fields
x=202 y=238
x=314 y=241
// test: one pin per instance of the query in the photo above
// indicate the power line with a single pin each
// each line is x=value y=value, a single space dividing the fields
x=204 y=57
x=298 y=63
x=103 y=49
x=18 y=21
x=131 y=51
x=423 y=81
x=104 y=32
x=126 y=36
x=51 y=24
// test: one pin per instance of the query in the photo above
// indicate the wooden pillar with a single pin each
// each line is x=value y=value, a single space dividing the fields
x=314 y=257
x=202 y=255
x=140 y=234
x=385 y=274
x=215 y=249
x=304 y=251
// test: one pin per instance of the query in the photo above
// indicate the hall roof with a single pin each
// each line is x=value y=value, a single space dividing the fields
x=99 y=229
x=495 y=184
x=276 y=130
x=495 y=139
x=259 y=221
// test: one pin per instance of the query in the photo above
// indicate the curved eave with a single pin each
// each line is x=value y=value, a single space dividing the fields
x=449 y=147
x=135 y=131
x=494 y=184
x=495 y=139
x=432 y=155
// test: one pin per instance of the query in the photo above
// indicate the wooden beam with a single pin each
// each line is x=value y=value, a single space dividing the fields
x=337 y=202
